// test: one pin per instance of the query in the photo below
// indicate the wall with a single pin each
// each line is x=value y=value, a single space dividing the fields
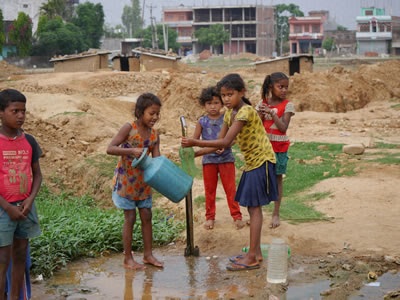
x=82 y=64
x=281 y=65
x=148 y=63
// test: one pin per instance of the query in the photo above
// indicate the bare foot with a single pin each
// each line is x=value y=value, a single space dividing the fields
x=133 y=265
x=239 y=224
x=151 y=260
x=275 y=222
x=209 y=224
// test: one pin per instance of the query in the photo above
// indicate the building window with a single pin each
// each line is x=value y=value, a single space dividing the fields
x=316 y=28
x=297 y=29
x=25 y=5
x=369 y=12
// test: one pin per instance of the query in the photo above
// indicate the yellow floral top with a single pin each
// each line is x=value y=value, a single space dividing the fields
x=129 y=181
x=252 y=140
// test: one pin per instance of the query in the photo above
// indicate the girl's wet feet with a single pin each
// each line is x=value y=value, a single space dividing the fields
x=151 y=260
x=133 y=265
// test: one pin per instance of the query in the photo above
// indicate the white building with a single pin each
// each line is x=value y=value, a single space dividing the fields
x=11 y=8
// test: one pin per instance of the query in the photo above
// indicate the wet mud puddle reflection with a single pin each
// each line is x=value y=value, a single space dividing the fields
x=182 y=278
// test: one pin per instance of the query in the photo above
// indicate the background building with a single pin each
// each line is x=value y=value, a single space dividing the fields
x=251 y=27
x=375 y=32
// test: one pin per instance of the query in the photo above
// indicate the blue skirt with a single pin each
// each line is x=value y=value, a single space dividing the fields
x=258 y=187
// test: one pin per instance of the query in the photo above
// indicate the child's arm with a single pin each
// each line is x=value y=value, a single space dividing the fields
x=282 y=123
x=227 y=137
x=196 y=135
x=36 y=182
x=114 y=149
x=156 y=148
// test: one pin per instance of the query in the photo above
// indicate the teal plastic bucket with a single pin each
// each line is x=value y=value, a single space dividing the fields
x=164 y=176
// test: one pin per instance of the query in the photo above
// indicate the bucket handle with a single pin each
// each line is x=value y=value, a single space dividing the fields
x=137 y=161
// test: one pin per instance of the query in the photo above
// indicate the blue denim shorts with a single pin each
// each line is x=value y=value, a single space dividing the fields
x=23 y=229
x=126 y=204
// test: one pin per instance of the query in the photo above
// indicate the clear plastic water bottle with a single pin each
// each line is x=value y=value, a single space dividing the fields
x=277 y=263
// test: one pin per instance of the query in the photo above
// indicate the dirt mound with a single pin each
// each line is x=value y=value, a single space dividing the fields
x=7 y=70
x=341 y=90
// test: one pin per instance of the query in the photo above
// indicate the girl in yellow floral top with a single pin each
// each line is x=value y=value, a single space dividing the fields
x=257 y=186
x=130 y=191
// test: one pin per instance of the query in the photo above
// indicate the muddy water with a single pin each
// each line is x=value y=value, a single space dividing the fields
x=182 y=278
x=191 y=278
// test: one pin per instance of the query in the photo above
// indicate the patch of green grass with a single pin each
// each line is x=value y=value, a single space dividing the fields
x=200 y=200
x=73 y=227
x=73 y=113
x=386 y=158
x=395 y=106
x=105 y=164
x=386 y=146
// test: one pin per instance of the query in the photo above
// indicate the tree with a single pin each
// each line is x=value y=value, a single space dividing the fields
x=90 y=20
x=215 y=35
x=131 y=18
x=328 y=44
x=58 y=8
x=2 y=34
x=54 y=37
x=21 y=34
x=282 y=13
x=146 y=35
x=114 y=32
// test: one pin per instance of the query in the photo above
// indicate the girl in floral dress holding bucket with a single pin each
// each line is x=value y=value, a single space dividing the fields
x=130 y=191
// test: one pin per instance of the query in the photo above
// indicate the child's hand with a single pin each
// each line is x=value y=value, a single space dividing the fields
x=220 y=151
x=16 y=213
x=186 y=142
x=137 y=152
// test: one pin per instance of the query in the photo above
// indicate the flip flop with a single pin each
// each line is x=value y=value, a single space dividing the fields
x=234 y=259
x=242 y=267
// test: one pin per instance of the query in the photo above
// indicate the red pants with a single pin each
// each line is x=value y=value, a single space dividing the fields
x=227 y=174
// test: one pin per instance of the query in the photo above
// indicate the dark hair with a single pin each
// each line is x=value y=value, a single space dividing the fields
x=144 y=101
x=208 y=94
x=269 y=81
x=9 y=95
x=232 y=81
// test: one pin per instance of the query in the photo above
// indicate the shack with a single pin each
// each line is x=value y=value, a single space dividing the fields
x=287 y=64
x=89 y=61
x=126 y=63
x=150 y=60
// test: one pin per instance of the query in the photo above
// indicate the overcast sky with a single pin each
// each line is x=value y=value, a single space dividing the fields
x=343 y=11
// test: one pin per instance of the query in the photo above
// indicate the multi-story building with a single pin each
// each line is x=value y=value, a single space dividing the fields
x=374 y=31
x=180 y=19
x=307 y=33
x=251 y=27
x=11 y=8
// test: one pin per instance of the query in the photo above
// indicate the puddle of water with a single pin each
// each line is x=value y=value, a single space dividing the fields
x=378 y=289
x=182 y=278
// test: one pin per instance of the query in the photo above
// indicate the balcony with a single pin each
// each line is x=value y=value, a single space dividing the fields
x=373 y=35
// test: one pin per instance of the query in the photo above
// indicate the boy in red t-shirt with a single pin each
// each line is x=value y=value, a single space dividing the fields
x=20 y=179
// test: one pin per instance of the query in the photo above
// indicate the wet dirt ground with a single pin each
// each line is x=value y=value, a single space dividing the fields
x=206 y=277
